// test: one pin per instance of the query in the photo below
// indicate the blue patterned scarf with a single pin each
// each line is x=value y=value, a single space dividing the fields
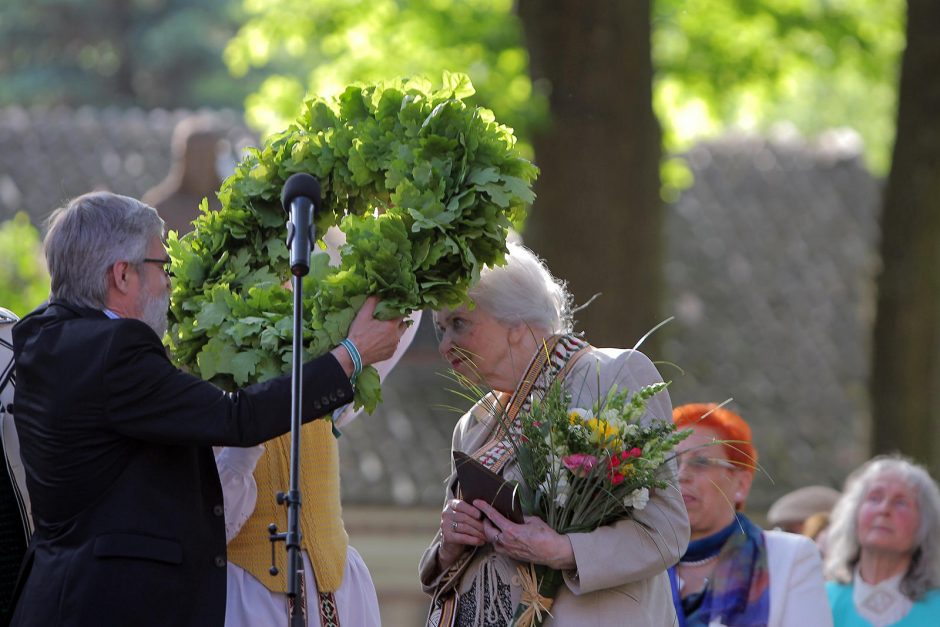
x=738 y=591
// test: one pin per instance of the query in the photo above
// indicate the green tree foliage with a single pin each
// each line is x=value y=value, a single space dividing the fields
x=149 y=53
x=320 y=46
x=24 y=283
x=751 y=63
x=817 y=64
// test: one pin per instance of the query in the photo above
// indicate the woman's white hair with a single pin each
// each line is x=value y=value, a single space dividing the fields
x=88 y=236
x=843 y=550
x=524 y=291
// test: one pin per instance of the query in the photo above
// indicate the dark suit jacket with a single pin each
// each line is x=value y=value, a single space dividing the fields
x=126 y=498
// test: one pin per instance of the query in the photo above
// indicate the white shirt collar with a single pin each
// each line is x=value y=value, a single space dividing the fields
x=110 y=314
x=883 y=603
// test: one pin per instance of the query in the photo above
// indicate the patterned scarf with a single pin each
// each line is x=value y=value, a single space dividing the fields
x=738 y=592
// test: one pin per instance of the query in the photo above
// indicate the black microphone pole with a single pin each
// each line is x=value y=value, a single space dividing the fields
x=301 y=199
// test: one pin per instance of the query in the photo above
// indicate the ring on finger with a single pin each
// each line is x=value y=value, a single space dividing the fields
x=453 y=526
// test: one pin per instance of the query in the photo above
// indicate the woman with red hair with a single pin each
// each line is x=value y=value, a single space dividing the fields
x=734 y=573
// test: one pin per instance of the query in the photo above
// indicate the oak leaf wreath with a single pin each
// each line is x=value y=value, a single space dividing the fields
x=425 y=188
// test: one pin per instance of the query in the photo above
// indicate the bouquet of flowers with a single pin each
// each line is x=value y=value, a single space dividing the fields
x=584 y=468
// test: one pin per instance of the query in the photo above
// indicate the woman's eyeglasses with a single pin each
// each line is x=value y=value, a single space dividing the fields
x=701 y=463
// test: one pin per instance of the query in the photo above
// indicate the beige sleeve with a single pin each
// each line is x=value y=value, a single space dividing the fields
x=654 y=538
x=429 y=571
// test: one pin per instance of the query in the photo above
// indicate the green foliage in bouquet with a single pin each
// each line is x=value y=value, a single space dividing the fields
x=425 y=188
x=587 y=467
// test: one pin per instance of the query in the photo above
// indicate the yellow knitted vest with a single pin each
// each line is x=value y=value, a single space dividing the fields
x=321 y=524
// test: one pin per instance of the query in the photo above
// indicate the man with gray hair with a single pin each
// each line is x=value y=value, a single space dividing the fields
x=116 y=441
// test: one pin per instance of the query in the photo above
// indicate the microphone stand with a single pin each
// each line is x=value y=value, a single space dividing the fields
x=300 y=232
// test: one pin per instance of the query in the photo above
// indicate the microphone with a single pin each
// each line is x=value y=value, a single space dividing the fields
x=300 y=198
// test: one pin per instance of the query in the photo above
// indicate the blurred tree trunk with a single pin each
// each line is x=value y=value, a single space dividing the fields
x=598 y=217
x=906 y=371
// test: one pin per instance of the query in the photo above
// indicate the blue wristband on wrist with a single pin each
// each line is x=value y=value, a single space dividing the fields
x=355 y=356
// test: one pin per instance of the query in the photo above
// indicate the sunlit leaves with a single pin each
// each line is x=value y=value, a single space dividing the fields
x=323 y=45
x=816 y=64
x=24 y=282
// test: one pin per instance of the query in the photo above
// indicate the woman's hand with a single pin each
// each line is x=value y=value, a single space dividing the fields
x=461 y=526
x=533 y=541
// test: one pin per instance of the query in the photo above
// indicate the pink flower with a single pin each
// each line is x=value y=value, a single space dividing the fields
x=580 y=464
x=616 y=478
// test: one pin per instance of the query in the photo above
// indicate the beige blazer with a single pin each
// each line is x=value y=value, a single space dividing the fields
x=620 y=577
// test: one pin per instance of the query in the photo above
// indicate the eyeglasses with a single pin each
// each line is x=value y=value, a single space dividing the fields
x=165 y=263
x=699 y=463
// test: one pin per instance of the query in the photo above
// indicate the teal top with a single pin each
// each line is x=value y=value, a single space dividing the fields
x=924 y=613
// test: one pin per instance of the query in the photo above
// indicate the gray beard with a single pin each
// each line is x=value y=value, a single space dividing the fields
x=155 y=313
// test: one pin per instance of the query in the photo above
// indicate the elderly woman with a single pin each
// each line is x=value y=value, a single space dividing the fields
x=733 y=573
x=613 y=575
x=883 y=554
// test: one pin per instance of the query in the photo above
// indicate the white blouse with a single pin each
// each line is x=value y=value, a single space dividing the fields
x=883 y=603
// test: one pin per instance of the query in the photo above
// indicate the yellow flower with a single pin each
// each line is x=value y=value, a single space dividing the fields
x=576 y=415
x=601 y=431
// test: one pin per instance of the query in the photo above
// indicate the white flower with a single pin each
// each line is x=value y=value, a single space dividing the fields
x=563 y=489
x=610 y=415
x=630 y=429
x=637 y=499
x=546 y=486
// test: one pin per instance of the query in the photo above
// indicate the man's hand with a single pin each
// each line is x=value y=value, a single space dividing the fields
x=375 y=339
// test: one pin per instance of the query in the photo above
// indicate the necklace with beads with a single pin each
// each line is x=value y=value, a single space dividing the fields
x=701 y=562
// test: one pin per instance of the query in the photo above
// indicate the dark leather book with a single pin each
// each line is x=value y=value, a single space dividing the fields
x=479 y=482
